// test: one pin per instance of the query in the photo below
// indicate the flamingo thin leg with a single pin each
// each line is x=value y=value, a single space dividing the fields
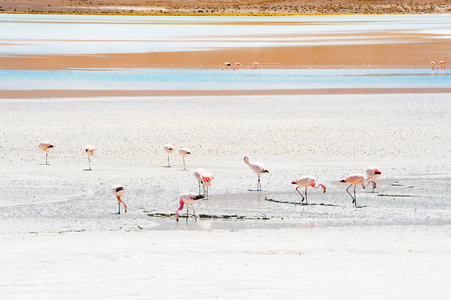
x=300 y=194
x=194 y=212
x=353 y=197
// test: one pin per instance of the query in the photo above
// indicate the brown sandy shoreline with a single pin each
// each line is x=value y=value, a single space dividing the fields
x=36 y=94
x=231 y=7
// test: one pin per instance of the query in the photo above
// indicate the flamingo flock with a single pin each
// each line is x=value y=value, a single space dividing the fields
x=441 y=65
x=205 y=179
x=227 y=65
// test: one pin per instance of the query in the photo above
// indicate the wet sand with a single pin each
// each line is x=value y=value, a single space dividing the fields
x=411 y=53
x=46 y=94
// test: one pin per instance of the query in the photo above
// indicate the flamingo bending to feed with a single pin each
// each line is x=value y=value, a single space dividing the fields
x=206 y=180
x=46 y=146
x=237 y=66
x=442 y=64
x=197 y=174
x=254 y=65
x=226 y=66
x=373 y=173
x=188 y=199
x=355 y=180
x=184 y=152
x=258 y=168
x=118 y=191
x=168 y=148
x=433 y=65
x=306 y=182
x=90 y=149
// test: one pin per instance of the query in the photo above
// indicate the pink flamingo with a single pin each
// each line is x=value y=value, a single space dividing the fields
x=46 y=146
x=197 y=174
x=433 y=65
x=168 y=148
x=118 y=191
x=207 y=179
x=442 y=64
x=237 y=66
x=226 y=66
x=188 y=199
x=254 y=65
x=258 y=168
x=90 y=149
x=306 y=182
x=355 y=180
x=184 y=152
x=373 y=173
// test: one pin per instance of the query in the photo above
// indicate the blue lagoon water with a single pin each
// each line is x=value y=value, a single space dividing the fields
x=176 y=79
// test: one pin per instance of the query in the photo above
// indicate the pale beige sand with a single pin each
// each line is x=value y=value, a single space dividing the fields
x=388 y=262
x=36 y=94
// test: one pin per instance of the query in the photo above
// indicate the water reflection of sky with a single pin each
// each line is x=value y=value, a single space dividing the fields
x=65 y=34
x=175 y=79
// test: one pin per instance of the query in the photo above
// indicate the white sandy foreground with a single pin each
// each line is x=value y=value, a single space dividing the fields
x=59 y=241
x=368 y=262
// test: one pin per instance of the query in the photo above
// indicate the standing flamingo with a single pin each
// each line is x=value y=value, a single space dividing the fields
x=207 y=179
x=184 y=152
x=355 y=180
x=254 y=65
x=46 y=146
x=442 y=64
x=258 y=168
x=118 y=191
x=90 y=149
x=226 y=66
x=197 y=174
x=168 y=148
x=188 y=199
x=373 y=173
x=306 y=182
x=433 y=65
x=237 y=66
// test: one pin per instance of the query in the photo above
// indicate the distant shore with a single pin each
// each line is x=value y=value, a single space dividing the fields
x=229 y=8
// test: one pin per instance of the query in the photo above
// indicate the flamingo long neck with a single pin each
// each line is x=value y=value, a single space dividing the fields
x=182 y=204
x=317 y=185
x=122 y=201
x=370 y=181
